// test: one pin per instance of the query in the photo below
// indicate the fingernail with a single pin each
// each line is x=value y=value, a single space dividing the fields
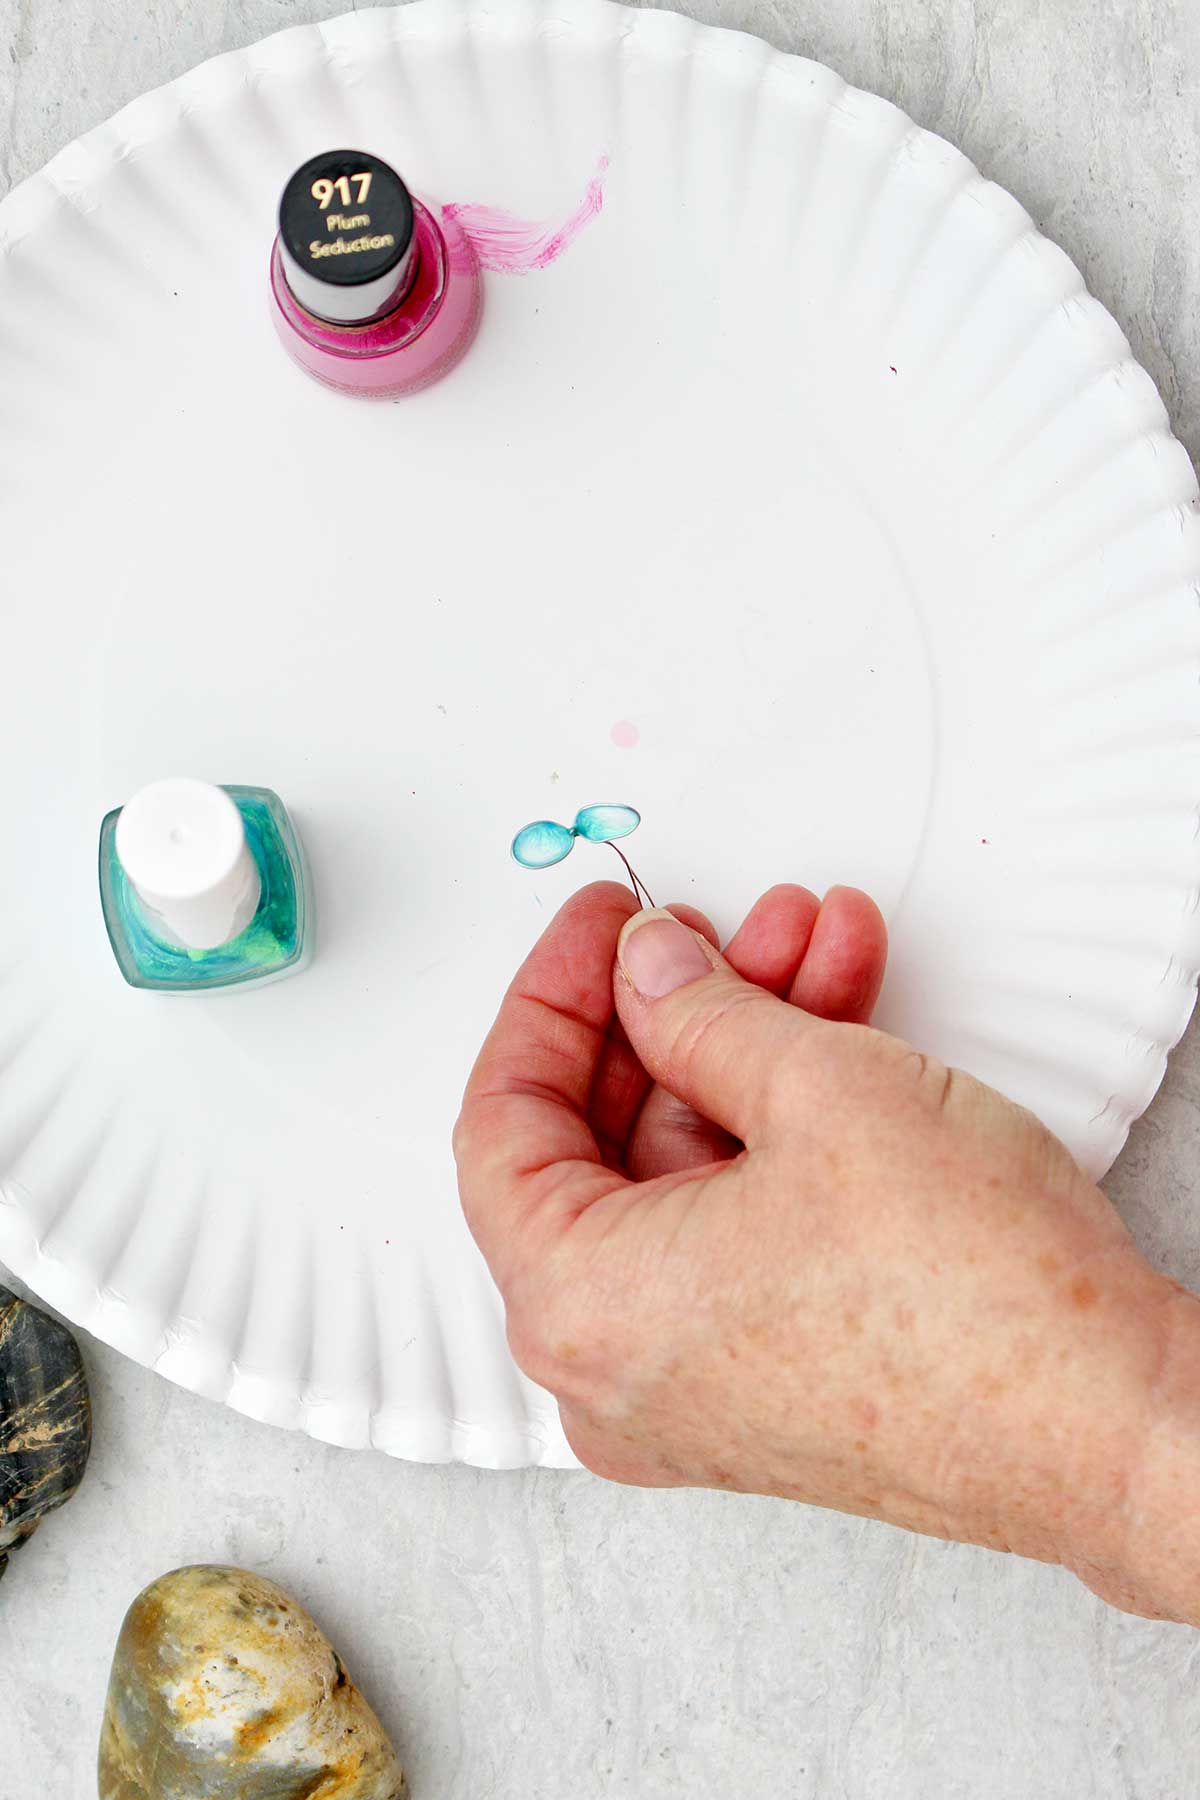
x=658 y=954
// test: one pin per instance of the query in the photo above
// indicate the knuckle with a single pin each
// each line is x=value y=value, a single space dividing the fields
x=934 y=1082
x=463 y=1147
x=461 y=1138
x=936 y=1088
x=561 y=1341
x=531 y=1350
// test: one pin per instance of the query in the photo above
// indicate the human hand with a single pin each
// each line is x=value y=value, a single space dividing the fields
x=749 y=1242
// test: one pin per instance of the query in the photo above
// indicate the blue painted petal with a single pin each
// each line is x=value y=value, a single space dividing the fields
x=601 y=824
x=543 y=844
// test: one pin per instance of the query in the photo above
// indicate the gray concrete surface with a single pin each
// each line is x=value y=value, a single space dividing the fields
x=542 y=1636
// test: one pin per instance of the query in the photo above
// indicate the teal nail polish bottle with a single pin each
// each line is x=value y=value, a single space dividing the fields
x=203 y=887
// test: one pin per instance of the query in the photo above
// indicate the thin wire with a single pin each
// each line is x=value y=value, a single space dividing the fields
x=639 y=887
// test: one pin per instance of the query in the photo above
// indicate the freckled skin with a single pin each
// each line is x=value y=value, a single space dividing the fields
x=790 y=1255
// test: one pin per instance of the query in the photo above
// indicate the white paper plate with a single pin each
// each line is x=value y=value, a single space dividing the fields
x=811 y=459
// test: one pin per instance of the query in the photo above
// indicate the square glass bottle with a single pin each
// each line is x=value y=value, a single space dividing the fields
x=203 y=887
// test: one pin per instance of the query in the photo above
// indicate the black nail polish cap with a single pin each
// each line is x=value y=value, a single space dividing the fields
x=346 y=233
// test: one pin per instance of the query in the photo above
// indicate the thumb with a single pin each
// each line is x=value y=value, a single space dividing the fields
x=711 y=1039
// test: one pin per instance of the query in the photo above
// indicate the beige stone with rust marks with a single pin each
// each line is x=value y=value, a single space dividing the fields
x=223 y=1688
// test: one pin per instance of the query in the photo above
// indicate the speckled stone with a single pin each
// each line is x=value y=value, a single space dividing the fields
x=223 y=1688
x=45 y=1419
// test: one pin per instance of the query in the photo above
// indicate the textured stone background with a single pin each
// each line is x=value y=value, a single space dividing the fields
x=541 y=1636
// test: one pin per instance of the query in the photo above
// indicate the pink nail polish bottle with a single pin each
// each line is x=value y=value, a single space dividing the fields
x=371 y=293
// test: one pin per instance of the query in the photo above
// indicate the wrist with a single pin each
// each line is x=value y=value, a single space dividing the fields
x=1141 y=1550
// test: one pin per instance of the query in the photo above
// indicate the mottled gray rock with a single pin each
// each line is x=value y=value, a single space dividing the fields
x=45 y=1419
x=223 y=1688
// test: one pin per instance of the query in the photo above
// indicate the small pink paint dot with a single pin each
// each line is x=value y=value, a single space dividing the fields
x=625 y=734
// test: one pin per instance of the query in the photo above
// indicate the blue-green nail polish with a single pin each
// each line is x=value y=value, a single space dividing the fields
x=601 y=824
x=203 y=887
x=542 y=844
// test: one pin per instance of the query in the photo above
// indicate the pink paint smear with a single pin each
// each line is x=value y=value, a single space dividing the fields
x=512 y=246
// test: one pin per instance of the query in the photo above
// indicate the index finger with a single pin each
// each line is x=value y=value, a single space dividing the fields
x=527 y=1158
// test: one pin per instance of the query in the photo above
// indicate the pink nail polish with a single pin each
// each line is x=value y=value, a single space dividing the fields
x=372 y=294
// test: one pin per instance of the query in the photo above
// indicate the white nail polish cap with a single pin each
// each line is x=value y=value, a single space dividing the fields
x=183 y=846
